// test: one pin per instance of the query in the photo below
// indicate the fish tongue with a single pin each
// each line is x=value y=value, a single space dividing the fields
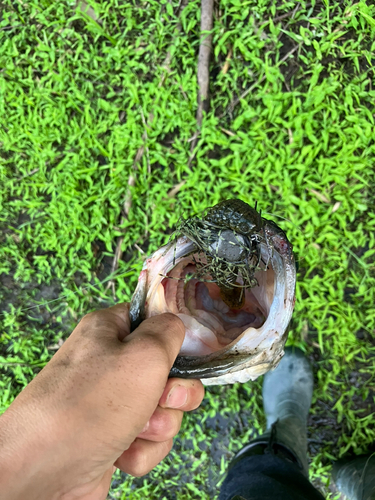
x=199 y=340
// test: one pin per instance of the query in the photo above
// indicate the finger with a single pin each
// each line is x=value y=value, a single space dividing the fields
x=183 y=394
x=143 y=456
x=121 y=311
x=163 y=425
x=113 y=322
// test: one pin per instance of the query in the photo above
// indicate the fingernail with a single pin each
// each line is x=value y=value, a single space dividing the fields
x=177 y=397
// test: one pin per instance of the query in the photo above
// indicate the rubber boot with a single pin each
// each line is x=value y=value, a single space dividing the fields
x=287 y=395
x=355 y=478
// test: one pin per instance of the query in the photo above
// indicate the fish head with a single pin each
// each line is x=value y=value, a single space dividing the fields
x=232 y=286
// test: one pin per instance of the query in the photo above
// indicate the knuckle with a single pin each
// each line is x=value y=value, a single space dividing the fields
x=166 y=424
x=143 y=462
x=139 y=465
x=91 y=318
x=140 y=468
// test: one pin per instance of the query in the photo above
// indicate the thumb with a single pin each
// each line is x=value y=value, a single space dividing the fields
x=163 y=334
x=150 y=352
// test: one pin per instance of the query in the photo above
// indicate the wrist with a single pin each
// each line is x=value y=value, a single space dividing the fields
x=26 y=464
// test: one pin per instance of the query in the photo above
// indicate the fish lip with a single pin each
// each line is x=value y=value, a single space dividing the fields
x=211 y=365
x=137 y=311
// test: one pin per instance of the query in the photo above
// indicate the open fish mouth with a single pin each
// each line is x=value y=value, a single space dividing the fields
x=230 y=276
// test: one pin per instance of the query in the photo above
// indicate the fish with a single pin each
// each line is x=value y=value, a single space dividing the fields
x=229 y=274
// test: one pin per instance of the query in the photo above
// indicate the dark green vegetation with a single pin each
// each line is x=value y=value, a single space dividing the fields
x=76 y=99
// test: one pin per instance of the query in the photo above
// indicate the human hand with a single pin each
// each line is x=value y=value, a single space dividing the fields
x=103 y=401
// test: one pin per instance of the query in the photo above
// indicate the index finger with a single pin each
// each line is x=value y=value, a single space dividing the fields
x=174 y=394
x=113 y=321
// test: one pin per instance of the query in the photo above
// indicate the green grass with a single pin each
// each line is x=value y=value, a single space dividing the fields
x=74 y=99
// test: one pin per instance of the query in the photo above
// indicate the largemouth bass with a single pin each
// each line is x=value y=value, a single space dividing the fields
x=230 y=276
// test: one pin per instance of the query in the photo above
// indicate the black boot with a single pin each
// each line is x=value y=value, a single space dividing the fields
x=274 y=466
x=355 y=478
x=287 y=395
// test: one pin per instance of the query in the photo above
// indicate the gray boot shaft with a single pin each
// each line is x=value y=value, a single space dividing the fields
x=287 y=395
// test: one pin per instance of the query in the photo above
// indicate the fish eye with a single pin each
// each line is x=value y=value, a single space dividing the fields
x=244 y=228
